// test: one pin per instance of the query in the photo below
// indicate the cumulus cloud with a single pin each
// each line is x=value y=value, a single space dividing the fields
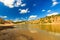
x=3 y=16
x=8 y=3
x=32 y=17
x=19 y=19
x=49 y=11
x=43 y=10
x=18 y=3
x=23 y=11
x=55 y=13
x=22 y=5
x=16 y=20
x=54 y=2
x=11 y=3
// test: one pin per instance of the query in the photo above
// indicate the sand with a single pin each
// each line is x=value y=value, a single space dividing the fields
x=22 y=34
x=25 y=32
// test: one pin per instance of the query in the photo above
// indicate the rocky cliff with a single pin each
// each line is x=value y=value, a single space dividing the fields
x=47 y=19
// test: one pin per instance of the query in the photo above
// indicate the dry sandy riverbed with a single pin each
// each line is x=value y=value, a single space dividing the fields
x=22 y=34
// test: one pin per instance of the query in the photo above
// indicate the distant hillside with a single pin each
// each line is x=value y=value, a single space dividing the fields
x=48 y=23
x=2 y=21
x=47 y=19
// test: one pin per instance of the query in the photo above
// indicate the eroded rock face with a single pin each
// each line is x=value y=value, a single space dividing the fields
x=14 y=34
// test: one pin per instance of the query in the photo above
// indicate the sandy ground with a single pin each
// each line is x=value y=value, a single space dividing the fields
x=7 y=25
x=22 y=34
x=25 y=32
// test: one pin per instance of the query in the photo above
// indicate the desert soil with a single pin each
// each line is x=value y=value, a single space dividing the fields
x=23 y=34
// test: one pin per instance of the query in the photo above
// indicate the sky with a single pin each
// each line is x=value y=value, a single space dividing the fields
x=18 y=10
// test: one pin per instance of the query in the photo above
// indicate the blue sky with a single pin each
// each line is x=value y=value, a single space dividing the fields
x=18 y=10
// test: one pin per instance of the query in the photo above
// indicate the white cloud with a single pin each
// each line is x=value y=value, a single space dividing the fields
x=11 y=3
x=32 y=17
x=19 y=19
x=16 y=20
x=18 y=3
x=55 y=13
x=22 y=5
x=3 y=16
x=54 y=2
x=23 y=11
x=8 y=3
x=49 y=11
x=43 y=10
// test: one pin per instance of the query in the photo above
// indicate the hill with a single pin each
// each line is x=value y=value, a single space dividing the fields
x=48 y=19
